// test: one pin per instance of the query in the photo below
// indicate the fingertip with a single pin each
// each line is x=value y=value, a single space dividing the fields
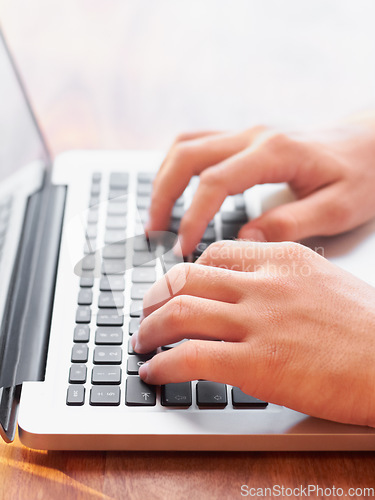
x=144 y=372
x=252 y=234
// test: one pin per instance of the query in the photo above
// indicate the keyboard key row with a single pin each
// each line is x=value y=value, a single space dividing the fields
x=106 y=392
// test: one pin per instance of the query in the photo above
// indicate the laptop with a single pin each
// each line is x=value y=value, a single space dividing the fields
x=74 y=266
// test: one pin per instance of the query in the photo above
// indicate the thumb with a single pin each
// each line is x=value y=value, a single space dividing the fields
x=317 y=214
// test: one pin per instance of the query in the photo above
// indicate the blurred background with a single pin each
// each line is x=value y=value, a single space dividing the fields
x=134 y=73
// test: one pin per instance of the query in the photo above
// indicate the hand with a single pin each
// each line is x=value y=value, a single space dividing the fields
x=297 y=330
x=333 y=178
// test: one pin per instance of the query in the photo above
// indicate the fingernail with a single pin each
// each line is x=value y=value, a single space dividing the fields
x=177 y=249
x=253 y=234
x=135 y=340
x=143 y=371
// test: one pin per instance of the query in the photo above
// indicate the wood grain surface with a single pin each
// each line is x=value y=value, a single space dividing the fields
x=115 y=74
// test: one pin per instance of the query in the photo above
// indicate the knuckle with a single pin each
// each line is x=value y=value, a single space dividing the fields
x=180 y=152
x=178 y=276
x=177 y=311
x=213 y=251
x=183 y=136
x=282 y=225
x=211 y=177
x=275 y=354
x=277 y=141
x=341 y=213
x=192 y=356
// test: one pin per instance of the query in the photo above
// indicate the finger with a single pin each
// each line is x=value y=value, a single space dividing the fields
x=186 y=159
x=320 y=213
x=177 y=320
x=186 y=136
x=272 y=161
x=192 y=279
x=234 y=255
x=224 y=362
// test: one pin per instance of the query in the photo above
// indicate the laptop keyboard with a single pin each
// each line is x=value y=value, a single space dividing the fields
x=104 y=367
x=5 y=211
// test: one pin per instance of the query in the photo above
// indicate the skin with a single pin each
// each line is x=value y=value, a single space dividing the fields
x=295 y=330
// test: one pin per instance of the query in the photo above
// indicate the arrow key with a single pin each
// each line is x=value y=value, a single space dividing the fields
x=138 y=393
x=176 y=394
x=211 y=394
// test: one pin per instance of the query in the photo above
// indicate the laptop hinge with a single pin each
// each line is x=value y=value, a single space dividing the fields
x=26 y=323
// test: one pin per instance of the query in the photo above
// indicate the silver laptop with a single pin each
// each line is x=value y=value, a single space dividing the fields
x=74 y=266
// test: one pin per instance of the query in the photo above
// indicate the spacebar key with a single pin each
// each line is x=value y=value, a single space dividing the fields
x=109 y=317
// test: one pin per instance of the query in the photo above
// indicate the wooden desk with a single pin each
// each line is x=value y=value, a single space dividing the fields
x=26 y=474
x=133 y=74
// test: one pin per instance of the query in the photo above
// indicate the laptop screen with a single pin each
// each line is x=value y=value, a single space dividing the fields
x=20 y=139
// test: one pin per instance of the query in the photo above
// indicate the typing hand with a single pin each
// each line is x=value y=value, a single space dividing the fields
x=297 y=330
x=332 y=176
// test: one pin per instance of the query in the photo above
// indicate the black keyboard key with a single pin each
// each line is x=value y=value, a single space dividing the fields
x=95 y=189
x=211 y=394
x=234 y=216
x=115 y=251
x=75 y=395
x=209 y=235
x=91 y=231
x=105 y=395
x=133 y=325
x=116 y=222
x=106 y=335
x=146 y=259
x=144 y=275
x=119 y=180
x=85 y=297
x=118 y=195
x=106 y=375
x=112 y=283
x=138 y=290
x=230 y=230
x=143 y=202
x=107 y=355
x=111 y=300
x=114 y=236
x=138 y=393
x=80 y=353
x=109 y=317
x=146 y=177
x=144 y=189
x=136 y=361
x=93 y=216
x=136 y=308
x=142 y=244
x=239 y=202
x=96 y=177
x=77 y=374
x=113 y=266
x=176 y=394
x=117 y=208
x=87 y=282
x=81 y=333
x=242 y=400
x=88 y=262
x=94 y=201
x=89 y=247
x=83 y=314
x=174 y=226
x=142 y=214
x=177 y=212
